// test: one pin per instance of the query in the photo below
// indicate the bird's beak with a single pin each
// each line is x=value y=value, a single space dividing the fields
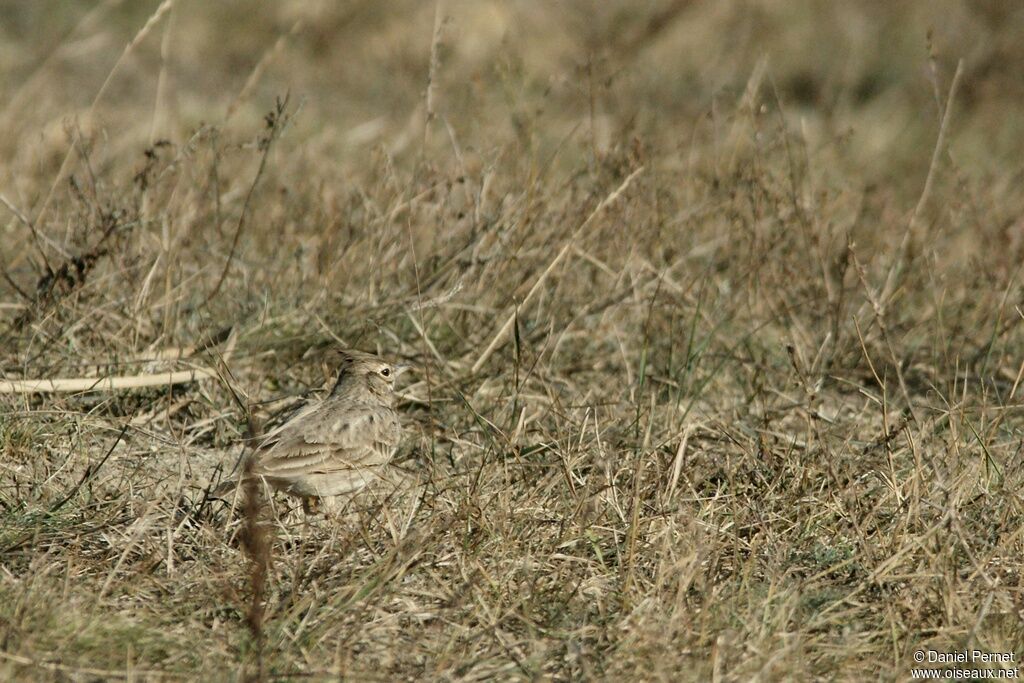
x=399 y=368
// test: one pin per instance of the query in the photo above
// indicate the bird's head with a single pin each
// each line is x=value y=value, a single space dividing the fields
x=365 y=371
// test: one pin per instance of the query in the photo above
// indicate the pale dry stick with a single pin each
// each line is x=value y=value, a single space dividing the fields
x=677 y=463
x=518 y=432
x=261 y=67
x=503 y=332
x=176 y=354
x=164 y=7
x=895 y=268
x=1016 y=381
x=112 y=383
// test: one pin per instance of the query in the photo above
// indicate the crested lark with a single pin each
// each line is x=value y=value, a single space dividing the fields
x=338 y=445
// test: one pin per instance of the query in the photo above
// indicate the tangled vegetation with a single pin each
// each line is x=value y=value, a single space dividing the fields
x=714 y=311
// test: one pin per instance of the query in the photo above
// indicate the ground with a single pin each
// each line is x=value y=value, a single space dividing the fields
x=714 y=311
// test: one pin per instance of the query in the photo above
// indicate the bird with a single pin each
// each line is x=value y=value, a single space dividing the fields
x=335 y=446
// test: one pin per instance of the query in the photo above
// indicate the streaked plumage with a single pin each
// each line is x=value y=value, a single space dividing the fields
x=338 y=445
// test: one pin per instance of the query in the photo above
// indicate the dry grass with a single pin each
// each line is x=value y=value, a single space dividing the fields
x=708 y=385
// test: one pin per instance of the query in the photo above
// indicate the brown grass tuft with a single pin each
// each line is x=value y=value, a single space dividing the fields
x=715 y=309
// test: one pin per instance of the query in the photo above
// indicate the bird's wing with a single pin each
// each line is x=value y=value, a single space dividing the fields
x=325 y=441
x=299 y=416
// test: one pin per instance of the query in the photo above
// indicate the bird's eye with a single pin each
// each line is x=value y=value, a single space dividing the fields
x=386 y=372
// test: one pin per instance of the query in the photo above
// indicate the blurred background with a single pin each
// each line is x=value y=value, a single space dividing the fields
x=703 y=387
x=867 y=76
